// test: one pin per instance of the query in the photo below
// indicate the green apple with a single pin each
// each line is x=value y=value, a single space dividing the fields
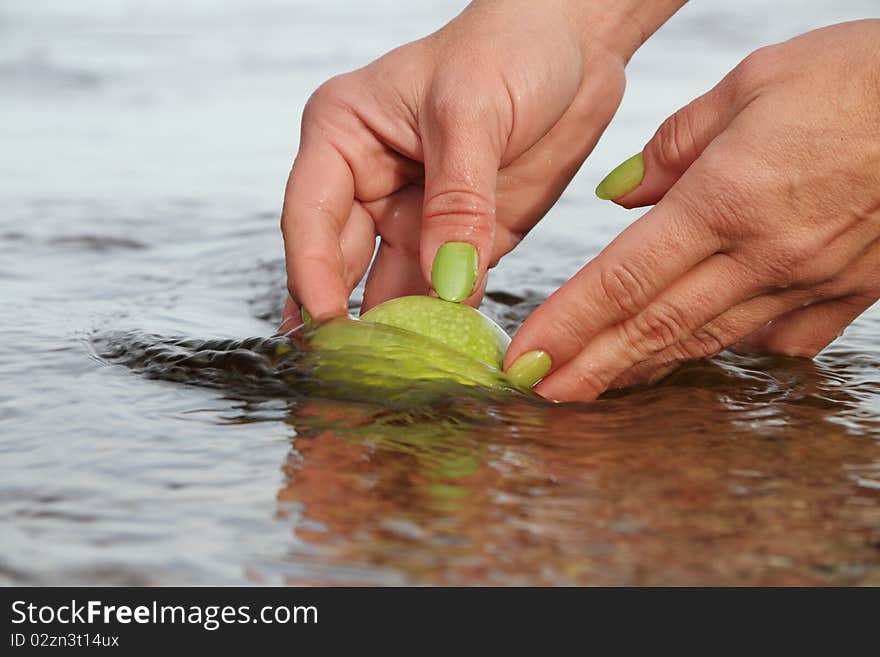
x=411 y=338
x=459 y=327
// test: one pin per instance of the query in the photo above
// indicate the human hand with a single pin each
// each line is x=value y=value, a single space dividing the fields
x=467 y=136
x=766 y=232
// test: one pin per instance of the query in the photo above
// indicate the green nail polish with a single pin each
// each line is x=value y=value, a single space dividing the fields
x=307 y=319
x=529 y=368
x=454 y=271
x=623 y=179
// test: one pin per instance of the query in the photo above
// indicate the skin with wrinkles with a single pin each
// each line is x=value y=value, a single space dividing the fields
x=765 y=234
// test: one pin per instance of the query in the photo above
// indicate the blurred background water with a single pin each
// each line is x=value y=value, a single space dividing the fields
x=144 y=148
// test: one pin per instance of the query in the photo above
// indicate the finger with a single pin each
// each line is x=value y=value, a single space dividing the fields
x=725 y=330
x=618 y=284
x=462 y=153
x=645 y=374
x=806 y=331
x=840 y=283
x=678 y=142
x=711 y=288
x=396 y=271
x=357 y=244
x=317 y=204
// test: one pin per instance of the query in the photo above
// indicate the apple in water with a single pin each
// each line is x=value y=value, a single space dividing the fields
x=459 y=327
x=415 y=337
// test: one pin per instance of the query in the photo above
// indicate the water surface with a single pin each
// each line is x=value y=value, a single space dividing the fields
x=145 y=440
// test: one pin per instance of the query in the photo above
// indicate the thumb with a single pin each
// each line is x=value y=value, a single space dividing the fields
x=462 y=156
x=644 y=178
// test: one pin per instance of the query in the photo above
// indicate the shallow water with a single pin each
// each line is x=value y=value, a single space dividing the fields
x=143 y=442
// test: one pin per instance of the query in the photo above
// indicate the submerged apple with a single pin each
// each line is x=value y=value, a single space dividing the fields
x=412 y=338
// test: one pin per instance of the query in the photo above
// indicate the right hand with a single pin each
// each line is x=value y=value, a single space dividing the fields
x=765 y=234
x=468 y=135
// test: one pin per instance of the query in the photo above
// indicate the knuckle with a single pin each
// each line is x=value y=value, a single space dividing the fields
x=624 y=289
x=796 y=263
x=653 y=370
x=588 y=383
x=729 y=210
x=452 y=104
x=729 y=207
x=332 y=89
x=309 y=257
x=756 y=68
x=331 y=93
x=810 y=270
x=815 y=263
x=460 y=207
x=705 y=342
x=659 y=327
x=777 y=265
x=674 y=141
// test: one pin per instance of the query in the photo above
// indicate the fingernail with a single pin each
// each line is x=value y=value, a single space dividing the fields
x=623 y=179
x=529 y=368
x=454 y=271
x=307 y=319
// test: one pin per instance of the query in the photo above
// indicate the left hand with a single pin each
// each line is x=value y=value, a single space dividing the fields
x=766 y=232
x=468 y=135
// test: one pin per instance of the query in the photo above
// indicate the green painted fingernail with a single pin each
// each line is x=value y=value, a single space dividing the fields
x=623 y=179
x=307 y=319
x=529 y=368
x=455 y=271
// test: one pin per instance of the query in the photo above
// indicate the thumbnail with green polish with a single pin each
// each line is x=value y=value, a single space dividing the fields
x=623 y=179
x=454 y=271
x=529 y=368
x=307 y=319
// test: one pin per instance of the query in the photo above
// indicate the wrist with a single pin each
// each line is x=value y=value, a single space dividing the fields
x=622 y=26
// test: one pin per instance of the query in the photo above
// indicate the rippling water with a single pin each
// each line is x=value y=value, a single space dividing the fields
x=145 y=439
